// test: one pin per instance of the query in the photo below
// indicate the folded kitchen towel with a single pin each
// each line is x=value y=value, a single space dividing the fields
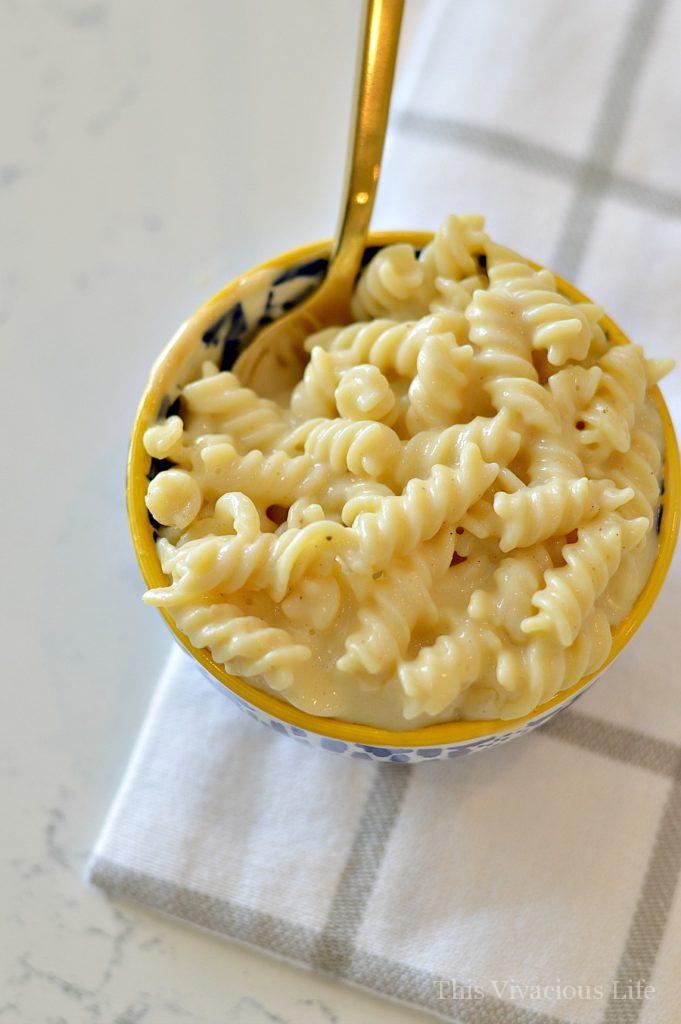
x=536 y=881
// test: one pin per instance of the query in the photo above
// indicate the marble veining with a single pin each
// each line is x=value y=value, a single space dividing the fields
x=127 y=183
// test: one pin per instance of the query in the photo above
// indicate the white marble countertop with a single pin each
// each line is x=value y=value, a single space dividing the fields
x=150 y=151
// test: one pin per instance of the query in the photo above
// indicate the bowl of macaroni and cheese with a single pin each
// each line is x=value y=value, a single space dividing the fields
x=432 y=529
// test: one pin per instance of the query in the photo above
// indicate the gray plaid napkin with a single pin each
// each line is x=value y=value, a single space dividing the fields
x=537 y=881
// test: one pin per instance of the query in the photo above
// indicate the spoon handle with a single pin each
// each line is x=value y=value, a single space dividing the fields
x=379 y=40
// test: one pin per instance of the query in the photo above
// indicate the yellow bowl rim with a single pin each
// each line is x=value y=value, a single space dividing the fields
x=443 y=734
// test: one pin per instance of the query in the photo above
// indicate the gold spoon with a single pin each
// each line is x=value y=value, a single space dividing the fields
x=329 y=305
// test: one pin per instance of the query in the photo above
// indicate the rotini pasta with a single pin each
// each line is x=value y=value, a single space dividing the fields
x=496 y=438
x=400 y=284
x=456 y=248
x=387 y=527
x=443 y=517
x=433 y=680
x=507 y=601
x=591 y=562
x=364 y=393
x=247 y=558
x=534 y=673
x=271 y=479
x=564 y=330
x=360 y=446
x=243 y=643
x=394 y=281
x=314 y=396
x=399 y=600
x=607 y=420
x=638 y=469
x=440 y=392
x=219 y=401
x=532 y=514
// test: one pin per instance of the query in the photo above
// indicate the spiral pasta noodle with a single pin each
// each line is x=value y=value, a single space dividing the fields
x=390 y=346
x=314 y=396
x=276 y=478
x=360 y=446
x=507 y=601
x=533 y=514
x=621 y=390
x=503 y=349
x=394 y=281
x=439 y=392
x=250 y=421
x=439 y=672
x=456 y=248
x=534 y=673
x=639 y=469
x=401 y=284
x=563 y=329
x=570 y=591
x=364 y=393
x=244 y=644
x=397 y=525
x=399 y=601
x=552 y=457
x=246 y=558
x=495 y=436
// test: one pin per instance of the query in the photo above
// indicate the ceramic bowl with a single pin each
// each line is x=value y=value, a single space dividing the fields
x=219 y=330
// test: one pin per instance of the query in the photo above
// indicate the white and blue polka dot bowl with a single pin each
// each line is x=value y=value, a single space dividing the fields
x=219 y=330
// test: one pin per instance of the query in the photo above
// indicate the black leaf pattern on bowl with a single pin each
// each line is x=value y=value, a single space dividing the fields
x=314 y=268
x=158 y=466
x=228 y=332
x=168 y=408
x=660 y=509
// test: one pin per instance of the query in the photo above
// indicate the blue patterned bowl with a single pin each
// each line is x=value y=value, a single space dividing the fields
x=220 y=330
